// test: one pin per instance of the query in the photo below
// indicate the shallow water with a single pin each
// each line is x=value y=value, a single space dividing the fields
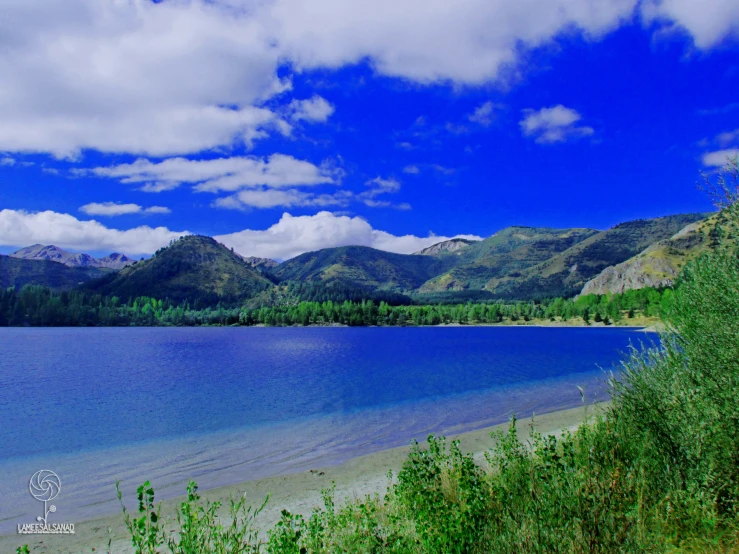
x=224 y=405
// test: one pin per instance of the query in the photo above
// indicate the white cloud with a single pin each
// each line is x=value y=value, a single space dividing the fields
x=720 y=157
x=109 y=209
x=467 y=41
x=555 y=124
x=7 y=160
x=727 y=138
x=21 y=228
x=291 y=236
x=288 y=198
x=222 y=174
x=483 y=114
x=708 y=21
x=411 y=170
x=312 y=109
x=158 y=210
x=183 y=76
x=378 y=185
x=134 y=76
x=288 y=237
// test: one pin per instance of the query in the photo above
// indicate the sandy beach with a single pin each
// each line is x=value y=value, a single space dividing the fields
x=296 y=492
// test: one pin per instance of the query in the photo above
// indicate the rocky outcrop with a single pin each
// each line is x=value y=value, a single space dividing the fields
x=265 y=263
x=658 y=265
x=451 y=245
x=637 y=273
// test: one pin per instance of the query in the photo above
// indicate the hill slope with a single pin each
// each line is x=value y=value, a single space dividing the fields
x=363 y=267
x=566 y=273
x=659 y=264
x=509 y=250
x=17 y=272
x=194 y=268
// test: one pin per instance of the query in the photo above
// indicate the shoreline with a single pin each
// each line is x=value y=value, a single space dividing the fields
x=296 y=492
x=648 y=326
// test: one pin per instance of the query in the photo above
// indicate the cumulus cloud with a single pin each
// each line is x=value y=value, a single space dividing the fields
x=728 y=137
x=719 y=157
x=555 y=124
x=483 y=114
x=411 y=170
x=708 y=21
x=288 y=237
x=287 y=198
x=21 y=228
x=112 y=209
x=222 y=174
x=467 y=41
x=135 y=76
x=292 y=236
x=312 y=109
x=179 y=77
x=7 y=160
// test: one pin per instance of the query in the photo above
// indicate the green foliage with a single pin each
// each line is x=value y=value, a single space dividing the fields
x=147 y=533
x=39 y=306
x=200 y=530
x=195 y=269
x=447 y=496
x=363 y=267
x=565 y=273
x=506 y=253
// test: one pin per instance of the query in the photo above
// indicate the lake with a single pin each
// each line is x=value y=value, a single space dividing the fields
x=225 y=405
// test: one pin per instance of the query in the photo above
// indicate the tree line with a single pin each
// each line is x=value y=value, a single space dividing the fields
x=41 y=306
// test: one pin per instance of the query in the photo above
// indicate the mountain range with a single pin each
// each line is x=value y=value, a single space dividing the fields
x=55 y=254
x=515 y=263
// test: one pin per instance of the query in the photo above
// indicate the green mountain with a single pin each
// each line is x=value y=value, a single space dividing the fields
x=509 y=250
x=193 y=268
x=659 y=264
x=364 y=267
x=566 y=273
x=17 y=272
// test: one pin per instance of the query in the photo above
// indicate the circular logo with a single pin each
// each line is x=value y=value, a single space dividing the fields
x=45 y=485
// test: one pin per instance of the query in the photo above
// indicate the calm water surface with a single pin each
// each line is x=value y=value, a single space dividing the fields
x=224 y=405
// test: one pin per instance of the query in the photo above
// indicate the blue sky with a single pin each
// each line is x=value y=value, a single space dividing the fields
x=286 y=126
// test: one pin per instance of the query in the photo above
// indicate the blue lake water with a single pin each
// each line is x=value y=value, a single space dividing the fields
x=225 y=405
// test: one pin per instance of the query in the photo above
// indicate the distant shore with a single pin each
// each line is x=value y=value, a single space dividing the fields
x=296 y=492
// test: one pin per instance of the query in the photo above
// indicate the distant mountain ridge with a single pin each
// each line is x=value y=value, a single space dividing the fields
x=55 y=254
x=18 y=272
x=516 y=263
x=509 y=250
x=567 y=272
x=363 y=267
x=660 y=263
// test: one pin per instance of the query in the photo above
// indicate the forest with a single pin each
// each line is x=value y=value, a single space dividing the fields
x=40 y=306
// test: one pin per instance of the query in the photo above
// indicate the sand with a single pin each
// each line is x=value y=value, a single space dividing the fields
x=297 y=492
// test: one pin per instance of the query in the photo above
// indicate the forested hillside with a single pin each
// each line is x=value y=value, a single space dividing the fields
x=16 y=272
